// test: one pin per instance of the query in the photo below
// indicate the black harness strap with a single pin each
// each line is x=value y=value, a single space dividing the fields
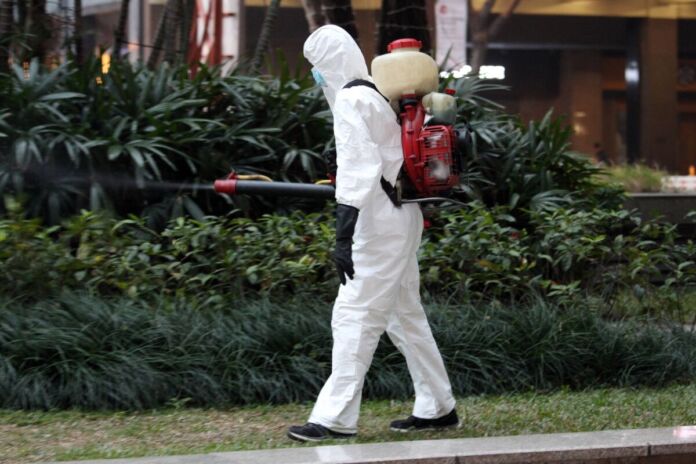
x=391 y=191
x=365 y=83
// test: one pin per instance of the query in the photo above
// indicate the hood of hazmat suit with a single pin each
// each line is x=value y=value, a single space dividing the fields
x=337 y=57
x=384 y=293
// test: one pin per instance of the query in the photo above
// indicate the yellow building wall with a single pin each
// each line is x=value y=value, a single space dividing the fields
x=665 y=9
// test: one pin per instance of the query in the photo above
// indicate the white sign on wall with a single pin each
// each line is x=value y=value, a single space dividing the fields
x=450 y=32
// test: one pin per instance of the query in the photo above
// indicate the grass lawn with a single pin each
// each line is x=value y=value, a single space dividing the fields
x=65 y=435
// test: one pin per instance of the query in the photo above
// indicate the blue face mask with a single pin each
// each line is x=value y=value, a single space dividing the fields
x=318 y=78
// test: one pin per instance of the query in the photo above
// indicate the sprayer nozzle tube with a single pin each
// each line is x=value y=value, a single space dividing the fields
x=291 y=189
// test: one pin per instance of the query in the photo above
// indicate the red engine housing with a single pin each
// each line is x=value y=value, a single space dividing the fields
x=429 y=160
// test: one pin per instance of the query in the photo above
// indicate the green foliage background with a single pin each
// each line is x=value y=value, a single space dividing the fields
x=125 y=284
x=474 y=253
x=139 y=141
x=75 y=137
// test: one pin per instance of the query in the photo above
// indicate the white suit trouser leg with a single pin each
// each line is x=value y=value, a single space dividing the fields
x=410 y=332
x=356 y=332
x=355 y=338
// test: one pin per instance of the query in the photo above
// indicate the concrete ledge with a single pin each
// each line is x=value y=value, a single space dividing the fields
x=671 y=207
x=675 y=445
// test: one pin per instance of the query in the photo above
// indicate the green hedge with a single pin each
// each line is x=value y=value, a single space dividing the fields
x=474 y=252
x=82 y=351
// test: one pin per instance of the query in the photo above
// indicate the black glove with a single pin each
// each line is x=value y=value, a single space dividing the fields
x=346 y=217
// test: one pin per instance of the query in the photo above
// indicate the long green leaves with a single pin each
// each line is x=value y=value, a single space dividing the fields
x=145 y=126
x=524 y=168
x=115 y=134
x=87 y=352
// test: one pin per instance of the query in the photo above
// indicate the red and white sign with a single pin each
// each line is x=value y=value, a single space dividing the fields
x=450 y=33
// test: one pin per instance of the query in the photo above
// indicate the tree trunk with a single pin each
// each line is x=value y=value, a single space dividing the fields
x=264 y=36
x=171 y=54
x=403 y=19
x=120 y=34
x=37 y=27
x=79 y=52
x=162 y=29
x=313 y=13
x=186 y=23
x=482 y=32
x=21 y=13
x=340 y=13
x=6 y=29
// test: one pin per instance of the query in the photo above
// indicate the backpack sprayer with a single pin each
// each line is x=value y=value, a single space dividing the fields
x=433 y=150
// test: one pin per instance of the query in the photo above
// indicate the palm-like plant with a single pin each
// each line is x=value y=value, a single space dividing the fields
x=313 y=13
x=35 y=137
x=98 y=139
x=523 y=167
x=79 y=53
x=76 y=137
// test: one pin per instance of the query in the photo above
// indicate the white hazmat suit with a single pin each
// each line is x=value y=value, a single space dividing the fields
x=384 y=294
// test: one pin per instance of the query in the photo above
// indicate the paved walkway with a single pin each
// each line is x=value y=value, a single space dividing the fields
x=642 y=446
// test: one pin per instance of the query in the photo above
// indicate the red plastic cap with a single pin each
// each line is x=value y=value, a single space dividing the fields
x=405 y=43
x=450 y=91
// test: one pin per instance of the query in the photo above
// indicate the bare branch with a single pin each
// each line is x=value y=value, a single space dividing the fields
x=473 y=16
x=79 y=54
x=497 y=24
x=313 y=13
x=120 y=34
x=340 y=13
x=264 y=39
x=513 y=6
x=485 y=12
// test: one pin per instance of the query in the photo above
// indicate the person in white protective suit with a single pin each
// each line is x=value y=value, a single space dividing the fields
x=381 y=291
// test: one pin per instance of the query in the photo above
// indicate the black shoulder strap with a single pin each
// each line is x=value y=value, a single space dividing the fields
x=365 y=83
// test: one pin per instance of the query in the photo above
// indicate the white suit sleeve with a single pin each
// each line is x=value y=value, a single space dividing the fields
x=357 y=155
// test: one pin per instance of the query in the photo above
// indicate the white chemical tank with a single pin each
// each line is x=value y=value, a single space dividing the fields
x=405 y=70
x=441 y=106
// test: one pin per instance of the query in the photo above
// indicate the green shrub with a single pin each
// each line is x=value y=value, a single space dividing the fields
x=82 y=351
x=634 y=177
x=475 y=250
x=470 y=253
